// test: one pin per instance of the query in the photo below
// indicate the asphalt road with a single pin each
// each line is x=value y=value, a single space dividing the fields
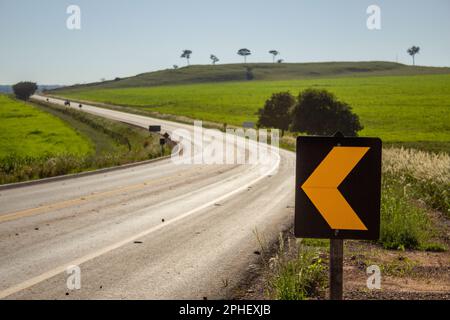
x=155 y=231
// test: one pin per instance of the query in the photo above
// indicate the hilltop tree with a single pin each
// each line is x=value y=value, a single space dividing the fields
x=318 y=112
x=280 y=61
x=214 y=59
x=24 y=90
x=244 y=53
x=277 y=112
x=274 y=54
x=187 y=55
x=412 y=52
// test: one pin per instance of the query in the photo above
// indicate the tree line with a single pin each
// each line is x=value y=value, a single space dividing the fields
x=244 y=52
x=313 y=111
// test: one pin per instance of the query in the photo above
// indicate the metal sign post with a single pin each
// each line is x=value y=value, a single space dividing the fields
x=336 y=269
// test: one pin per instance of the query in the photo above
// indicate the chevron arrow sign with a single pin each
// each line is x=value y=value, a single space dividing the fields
x=338 y=186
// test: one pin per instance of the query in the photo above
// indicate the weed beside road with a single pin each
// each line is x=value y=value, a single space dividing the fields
x=403 y=225
x=296 y=272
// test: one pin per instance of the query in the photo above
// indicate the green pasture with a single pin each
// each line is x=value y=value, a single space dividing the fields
x=26 y=131
x=395 y=108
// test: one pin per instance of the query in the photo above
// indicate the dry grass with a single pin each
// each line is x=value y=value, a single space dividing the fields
x=425 y=175
x=420 y=165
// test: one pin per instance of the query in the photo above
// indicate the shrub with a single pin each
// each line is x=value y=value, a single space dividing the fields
x=318 y=112
x=276 y=111
x=24 y=90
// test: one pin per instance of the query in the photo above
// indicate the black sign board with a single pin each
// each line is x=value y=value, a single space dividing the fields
x=338 y=188
x=154 y=128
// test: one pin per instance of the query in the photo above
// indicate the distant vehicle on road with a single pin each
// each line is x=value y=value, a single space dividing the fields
x=67 y=103
x=80 y=106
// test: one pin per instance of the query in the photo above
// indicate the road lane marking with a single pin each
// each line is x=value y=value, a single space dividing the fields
x=81 y=200
x=54 y=272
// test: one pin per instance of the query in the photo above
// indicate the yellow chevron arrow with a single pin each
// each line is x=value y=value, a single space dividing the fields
x=321 y=188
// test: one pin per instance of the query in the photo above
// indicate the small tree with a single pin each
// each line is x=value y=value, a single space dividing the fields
x=318 y=112
x=277 y=112
x=244 y=53
x=412 y=52
x=187 y=55
x=214 y=59
x=24 y=90
x=274 y=54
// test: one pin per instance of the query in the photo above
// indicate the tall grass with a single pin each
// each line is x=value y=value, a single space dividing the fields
x=296 y=272
x=403 y=225
x=408 y=176
x=426 y=176
x=15 y=168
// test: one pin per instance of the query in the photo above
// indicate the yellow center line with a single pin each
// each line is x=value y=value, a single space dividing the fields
x=76 y=201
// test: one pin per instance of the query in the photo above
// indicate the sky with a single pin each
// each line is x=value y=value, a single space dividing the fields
x=124 y=38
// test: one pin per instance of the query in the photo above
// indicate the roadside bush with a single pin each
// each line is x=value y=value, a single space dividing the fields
x=318 y=112
x=277 y=112
x=24 y=90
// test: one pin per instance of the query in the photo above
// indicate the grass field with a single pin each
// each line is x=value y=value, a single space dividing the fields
x=110 y=143
x=395 y=108
x=26 y=131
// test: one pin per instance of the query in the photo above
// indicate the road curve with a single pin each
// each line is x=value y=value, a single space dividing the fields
x=155 y=231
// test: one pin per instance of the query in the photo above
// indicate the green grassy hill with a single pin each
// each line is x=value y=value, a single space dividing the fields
x=261 y=71
x=401 y=104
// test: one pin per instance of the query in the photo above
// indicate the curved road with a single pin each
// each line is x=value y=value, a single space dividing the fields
x=154 y=231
